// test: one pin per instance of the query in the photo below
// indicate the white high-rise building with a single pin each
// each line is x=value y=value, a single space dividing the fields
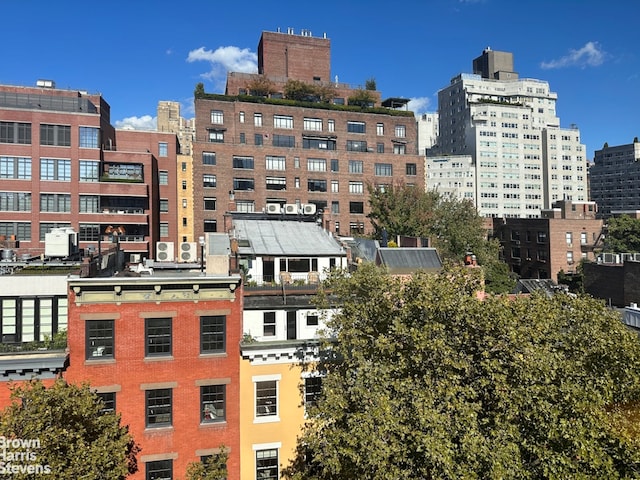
x=427 y=131
x=522 y=161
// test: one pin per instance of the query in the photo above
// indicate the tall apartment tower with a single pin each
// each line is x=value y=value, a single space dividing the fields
x=62 y=165
x=614 y=177
x=169 y=120
x=259 y=151
x=522 y=160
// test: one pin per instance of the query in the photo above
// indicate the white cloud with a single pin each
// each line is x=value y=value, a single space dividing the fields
x=591 y=55
x=419 y=105
x=223 y=60
x=146 y=122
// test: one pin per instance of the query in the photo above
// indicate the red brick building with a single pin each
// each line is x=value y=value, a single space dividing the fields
x=62 y=164
x=541 y=247
x=269 y=153
x=163 y=350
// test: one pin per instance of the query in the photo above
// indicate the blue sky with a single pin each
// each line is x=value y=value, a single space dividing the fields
x=137 y=53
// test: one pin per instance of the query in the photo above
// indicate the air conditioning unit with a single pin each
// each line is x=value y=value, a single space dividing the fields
x=273 y=208
x=309 y=208
x=135 y=258
x=188 y=252
x=291 y=209
x=164 y=251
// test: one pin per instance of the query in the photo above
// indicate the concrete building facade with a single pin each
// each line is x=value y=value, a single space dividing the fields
x=523 y=161
x=614 y=179
x=264 y=153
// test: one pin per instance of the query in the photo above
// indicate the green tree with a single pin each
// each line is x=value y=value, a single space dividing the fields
x=298 y=90
x=425 y=381
x=199 y=91
x=213 y=468
x=453 y=226
x=77 y=440
x=261 y=86
x=623 y=235
x=370 y=84
x=362 y=98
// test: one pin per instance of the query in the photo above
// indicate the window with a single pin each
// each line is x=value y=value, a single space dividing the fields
x=209 y=181
x=583 y=238
x=210 y=226
x=243 y=184
x=89 y=137
x=380 y=129
x=15 y=202
x=184 y=184
x=267 y=464
x=208 y=158
x=380 y=147
x=209 y=203
x=213 y=403
x=158 y=403
x=335 y=207
x=163 y=177
x=411 y=169
x=267 y=398
x=356 y=127
x=356 y=187
x=164 y=205
x=108 y=400
x=158 y=337
x=243 y=162
x=315 y=185
x=569 y=238
x=399 y=149
x=334 y=186
x=57 y=135
x=163 y=149
x=312 y=390
x=542 y=237
x=241 y=117
x=284 y=141
x=335 y=166
x=282 y=121
x=318 y=143
x=45 y=227
x=184 y=203
x=356 y=146
x=22 y=230
x=184 y=166
x=243 y=138
x=258 y=139
x=159 y=470
x=401 y=131
x=316 y=165
x=54 y=202
x=15 y=132
x=52 y=169
x=89 y=232
x=257 y=119
x=164 y=229
x=275 y=163
x=276 y=183
x=217 y=117
x=212 y=334
x=356 y=207
x=216 y=136
x=314 y=124
x=331 y=125
x=383 y=170
x=312 y=319
x=89 y=171
x=99 y=337
x=269 y=324
x=355 y=166
x=569 y=258
x=17 y=168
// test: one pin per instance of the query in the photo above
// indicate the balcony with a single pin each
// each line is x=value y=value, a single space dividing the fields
x=301 y=282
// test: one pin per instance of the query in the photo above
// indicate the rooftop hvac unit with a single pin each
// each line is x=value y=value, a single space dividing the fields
x=290 y=208
x=309 y=208
x=188 y=252
x=273 y=208
x=135 y=258
x=164 y=251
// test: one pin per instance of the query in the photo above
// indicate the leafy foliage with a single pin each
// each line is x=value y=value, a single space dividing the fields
x=76 y=439
x=261 y=86
x=199 y=91
x=623 y=235
x=425 y=381
x=370 y=84
x=213 y=468
x=305 y=92
x=453 y=227
x=361 y=98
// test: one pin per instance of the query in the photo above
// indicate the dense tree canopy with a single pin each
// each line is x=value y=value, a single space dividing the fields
x=425 y=381
x=66 y=433
x=623 y=235
x=213 y=468
x=453 y=226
